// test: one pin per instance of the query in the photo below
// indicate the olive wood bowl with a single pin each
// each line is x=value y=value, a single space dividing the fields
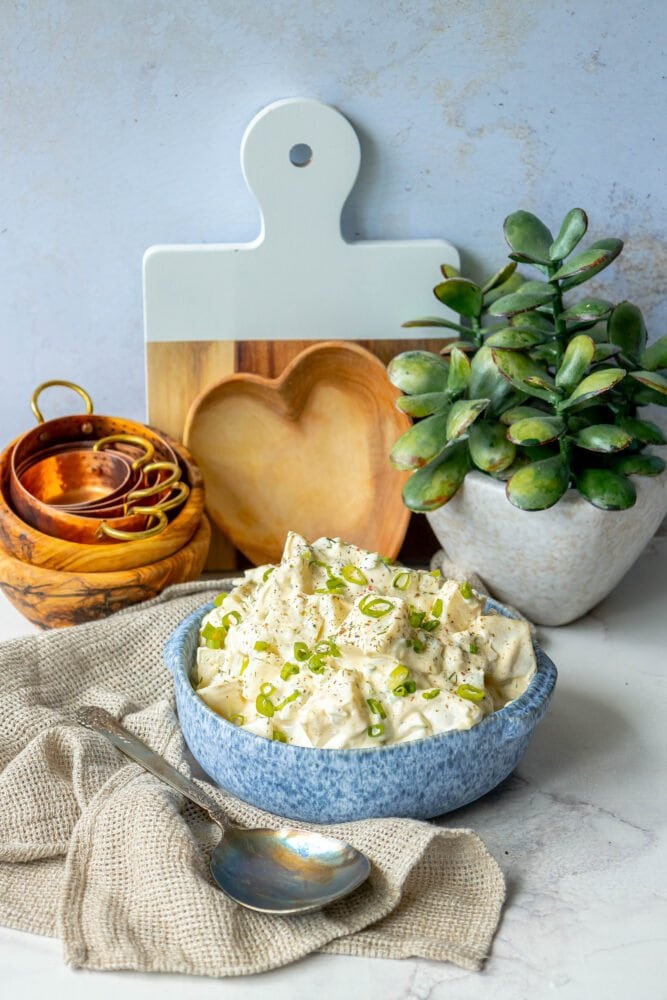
x=55 y=598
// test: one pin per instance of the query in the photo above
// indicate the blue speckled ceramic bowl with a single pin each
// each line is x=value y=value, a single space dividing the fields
x=421 y=779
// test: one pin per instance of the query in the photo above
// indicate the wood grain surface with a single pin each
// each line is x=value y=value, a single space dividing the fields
x=56 y=598
x=178 y=372
x=304 y=452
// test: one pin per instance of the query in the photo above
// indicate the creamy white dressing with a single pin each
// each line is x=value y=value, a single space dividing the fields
x=334 y=648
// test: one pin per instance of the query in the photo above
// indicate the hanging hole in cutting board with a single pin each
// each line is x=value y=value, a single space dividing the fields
x=300 y=154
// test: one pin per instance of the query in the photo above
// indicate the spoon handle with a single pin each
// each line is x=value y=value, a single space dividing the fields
x=99 y=720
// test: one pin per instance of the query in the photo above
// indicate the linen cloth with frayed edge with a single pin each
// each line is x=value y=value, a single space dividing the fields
x=103 y=855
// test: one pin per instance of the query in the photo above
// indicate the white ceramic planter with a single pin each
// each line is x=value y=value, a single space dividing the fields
x=553 y=565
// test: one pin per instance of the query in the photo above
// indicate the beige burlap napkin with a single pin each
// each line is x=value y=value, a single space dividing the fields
x=103 y=855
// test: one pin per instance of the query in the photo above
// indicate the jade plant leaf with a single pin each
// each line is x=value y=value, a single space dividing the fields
x=424 y=404
x=626 y=328
x=536 y=430
x=521 y=413
x=536 y=321
x=606 y=489
x=525 y=374
x=638 y=464
x=604 y=351
x=421 y=443
x=644 y=431
x=437 y=482
x=461 y=295
x=511 y=338
x=436 y=321
x=463 y=345
x=462 y=414
x=603 y=437
x=527 y=235
x=547 y=353
x=653 y=380
x=514 y=282
x=489 y=448
x=459 y=371
x=449 y=271
x=486 y=382
x=571 y=232
x=418 y=372
x=584 y=265
x=578 y=355
x=594 y=385
x=641 y=395
x=500 y=277
x=655 y=356
x=527 y=297
x=587 y=309
x=539 y=485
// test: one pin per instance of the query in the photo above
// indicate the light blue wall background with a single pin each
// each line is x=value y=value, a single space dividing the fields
x=120 y=124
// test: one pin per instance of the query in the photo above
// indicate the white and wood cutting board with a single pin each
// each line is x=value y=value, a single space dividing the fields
x=216 y=309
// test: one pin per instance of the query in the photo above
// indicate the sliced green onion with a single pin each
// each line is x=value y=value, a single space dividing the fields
x=267 y=573
x=220 y=600
x=238 y=720
x=244 y=665
x=354 y=575
x=402 y=580
x=278 y=736
x=261 y=646
x=387 y=560
x=335 y=651
x=376 y=708
x=264 y=705
x=409 y=687
x=466 y=590
x=316 y=664
x=375 y=607
x=322 y=590
x=398 y=675
x=214 y=637
x=470 y=692
x=231 y=616
x=431 y=625
x=436 y=573
x=417 y=645
x=290 y=697
x=267 y=689
x=433 y=693
x=301 y=651
x=288 y=670
x=416 y=617
x=335 y=585
x=312 y=561
x=474 y=648
x=436 y=610
x=376 y=730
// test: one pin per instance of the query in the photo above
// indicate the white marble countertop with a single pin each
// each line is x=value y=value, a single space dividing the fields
x=579 y=831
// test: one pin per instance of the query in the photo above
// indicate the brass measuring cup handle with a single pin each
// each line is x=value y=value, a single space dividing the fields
x=131 y=536
x=67 y=385
x=181 y=491
x=130 y=439
x=149 y=491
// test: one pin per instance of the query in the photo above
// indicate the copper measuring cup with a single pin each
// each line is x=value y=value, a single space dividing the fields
x=110 y=520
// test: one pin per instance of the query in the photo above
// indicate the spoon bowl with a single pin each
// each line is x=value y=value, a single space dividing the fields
x=283 y=872
x=286 y=871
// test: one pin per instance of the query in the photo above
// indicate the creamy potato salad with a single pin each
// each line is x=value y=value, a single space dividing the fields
x=337 y=647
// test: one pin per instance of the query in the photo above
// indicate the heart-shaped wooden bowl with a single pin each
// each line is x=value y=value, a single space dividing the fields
x=306 y=452
x=55 y=598
x=30 y=545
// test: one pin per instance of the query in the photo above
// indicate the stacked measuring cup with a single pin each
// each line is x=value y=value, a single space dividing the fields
x=96 y=513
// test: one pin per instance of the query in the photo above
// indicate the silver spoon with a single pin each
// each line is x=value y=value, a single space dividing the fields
x=281 y=871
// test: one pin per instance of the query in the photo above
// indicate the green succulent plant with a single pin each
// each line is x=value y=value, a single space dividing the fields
x=537 y=391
